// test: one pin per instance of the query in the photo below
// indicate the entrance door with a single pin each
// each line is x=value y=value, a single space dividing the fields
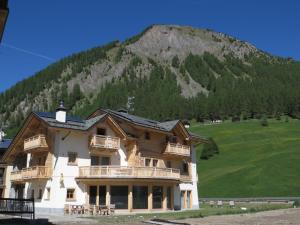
x=102 y=195
x=93 y=195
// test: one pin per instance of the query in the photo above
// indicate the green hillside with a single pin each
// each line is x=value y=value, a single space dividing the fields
x=254 y=161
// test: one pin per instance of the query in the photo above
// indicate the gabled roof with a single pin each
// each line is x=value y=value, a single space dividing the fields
x=167 y=126
x=72 y=122
x=4 y=144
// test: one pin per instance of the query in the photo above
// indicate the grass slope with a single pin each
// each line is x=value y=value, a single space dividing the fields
x=254 y=161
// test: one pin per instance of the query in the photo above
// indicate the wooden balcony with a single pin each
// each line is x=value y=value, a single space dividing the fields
x=36 y=143
x=31 y=173
x=102 y=142
x=128 y=172
x=177 y=150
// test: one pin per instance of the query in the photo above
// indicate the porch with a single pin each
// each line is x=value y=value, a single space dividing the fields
x=131 y=195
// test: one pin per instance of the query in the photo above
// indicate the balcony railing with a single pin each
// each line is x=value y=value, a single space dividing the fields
x=177 y=149
x=185 y=178
x=105 y=142
x=128 y=172
x=35 y=142
x=30 y=173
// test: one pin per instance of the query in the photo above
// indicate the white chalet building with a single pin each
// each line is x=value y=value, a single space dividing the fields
x=112 y=157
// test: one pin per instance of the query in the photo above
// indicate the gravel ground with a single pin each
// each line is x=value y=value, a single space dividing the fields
x=275 y=217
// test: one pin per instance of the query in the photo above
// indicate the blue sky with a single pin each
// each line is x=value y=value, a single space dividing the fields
x=40 y=32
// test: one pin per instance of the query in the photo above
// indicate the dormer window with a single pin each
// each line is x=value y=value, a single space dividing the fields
x=147 y=135
x=101 y=131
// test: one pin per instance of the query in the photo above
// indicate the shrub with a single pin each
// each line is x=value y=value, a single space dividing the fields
x=175 y=61
x=296 y=203
x=264 y=121
x=278 y=116
x=286 y=119
x=235 y=119
x=209 y=149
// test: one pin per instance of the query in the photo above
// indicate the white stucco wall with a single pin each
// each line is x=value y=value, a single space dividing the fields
x=192 y=186
x=64 y=142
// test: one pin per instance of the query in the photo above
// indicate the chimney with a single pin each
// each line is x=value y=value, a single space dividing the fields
x=61 y=113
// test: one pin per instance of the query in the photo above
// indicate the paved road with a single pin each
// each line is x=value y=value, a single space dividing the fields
x=276 y=217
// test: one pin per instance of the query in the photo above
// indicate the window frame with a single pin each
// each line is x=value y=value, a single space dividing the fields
x=185 y=168
x=74 y=194
x=103 y=130
x=147 y=135
x=156 y=162
x=40 y=194
x=148 y=160
x=76 y=159
x=48 y=193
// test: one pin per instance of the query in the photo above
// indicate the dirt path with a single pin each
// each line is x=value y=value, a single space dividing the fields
x=276 y=217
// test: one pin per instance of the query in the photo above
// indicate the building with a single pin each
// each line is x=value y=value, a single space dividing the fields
x=4 y=183
x=3 y=16
x=112 y=157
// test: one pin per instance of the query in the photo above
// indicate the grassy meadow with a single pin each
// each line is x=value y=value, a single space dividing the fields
x=254 y=161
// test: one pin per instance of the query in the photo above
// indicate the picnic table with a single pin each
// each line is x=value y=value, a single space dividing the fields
x=89 y=209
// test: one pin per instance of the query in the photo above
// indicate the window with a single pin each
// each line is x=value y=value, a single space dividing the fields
x=105 y=161
x=174 y=139
x=72 y=158
x=169 y=164
x=1 y=176
x=157 y=196
x=70 y=194
x=41 y=161
x=101 y=131
x=155 y=162
x=48 y=193
x=119 y=196
x=40 y=194
x=95 y=160
x=140 y=197
x=100 y=161
x=32 y=193
x=147 y=162
x=147 y=135
x=93 y=195
x=169 y=197
x=185 y=167
x=167 y=139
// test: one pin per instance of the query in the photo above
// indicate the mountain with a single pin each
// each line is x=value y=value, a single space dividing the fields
x=165 y=72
